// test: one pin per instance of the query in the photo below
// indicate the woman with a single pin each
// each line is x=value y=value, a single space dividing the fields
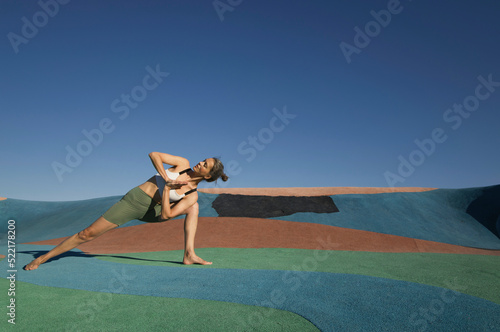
x=170 y=193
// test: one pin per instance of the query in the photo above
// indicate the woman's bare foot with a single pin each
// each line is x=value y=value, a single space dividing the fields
x=194 y=259
x=34 y=264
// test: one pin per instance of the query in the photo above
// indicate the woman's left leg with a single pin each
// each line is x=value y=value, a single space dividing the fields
x=190 y=226
x=98 y=227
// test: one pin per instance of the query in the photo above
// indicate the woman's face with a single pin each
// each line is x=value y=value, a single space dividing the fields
x=204 y=167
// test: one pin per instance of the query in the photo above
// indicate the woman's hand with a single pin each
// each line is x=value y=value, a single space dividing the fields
x=169 y=212
x=172 y=184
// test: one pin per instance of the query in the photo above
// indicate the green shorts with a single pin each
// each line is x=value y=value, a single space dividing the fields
x=136 y=204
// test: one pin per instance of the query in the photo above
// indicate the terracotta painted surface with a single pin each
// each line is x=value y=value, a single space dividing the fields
x=227 y=232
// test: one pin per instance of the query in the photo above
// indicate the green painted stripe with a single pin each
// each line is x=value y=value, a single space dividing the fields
x=476 y=275
x=41 y=308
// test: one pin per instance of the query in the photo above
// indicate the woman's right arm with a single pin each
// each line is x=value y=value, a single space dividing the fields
x=158 y=159
x=168 y=212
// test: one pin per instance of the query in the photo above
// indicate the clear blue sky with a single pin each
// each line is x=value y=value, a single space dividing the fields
x=290 y=94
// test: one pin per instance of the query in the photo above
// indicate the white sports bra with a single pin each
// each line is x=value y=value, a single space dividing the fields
x=173 y=195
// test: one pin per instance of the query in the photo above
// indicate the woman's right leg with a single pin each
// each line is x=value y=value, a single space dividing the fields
x=190 y=226
x=98 y=227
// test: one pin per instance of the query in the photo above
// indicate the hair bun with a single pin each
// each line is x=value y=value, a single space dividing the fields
x=217 y=171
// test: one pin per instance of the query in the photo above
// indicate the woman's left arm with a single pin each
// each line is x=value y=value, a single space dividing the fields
x=158 y=159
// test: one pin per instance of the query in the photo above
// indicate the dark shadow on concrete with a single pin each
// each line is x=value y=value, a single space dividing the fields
x=228 y=205
x=38 y=253
x=141 y=259
x=486 y=209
